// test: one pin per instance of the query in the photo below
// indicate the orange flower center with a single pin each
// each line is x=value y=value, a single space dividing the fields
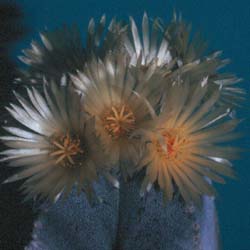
x=119 y=121
x=65 y=149
x=173 y=144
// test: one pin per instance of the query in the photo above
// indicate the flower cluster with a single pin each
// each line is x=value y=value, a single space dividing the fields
x=131 y=99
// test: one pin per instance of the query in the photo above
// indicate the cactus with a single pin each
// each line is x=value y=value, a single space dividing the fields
x=123 y=220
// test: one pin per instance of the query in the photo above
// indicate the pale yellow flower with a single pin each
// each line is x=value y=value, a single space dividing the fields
x=56 y=148
x=121 y=105
x=187 y=144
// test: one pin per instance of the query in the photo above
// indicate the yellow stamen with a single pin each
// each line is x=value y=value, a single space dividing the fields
x=119 y=121
x=64 y=148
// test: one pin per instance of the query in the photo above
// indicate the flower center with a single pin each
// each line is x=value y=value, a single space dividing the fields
x=119 y=121
x=173 y=145
x=66 y=149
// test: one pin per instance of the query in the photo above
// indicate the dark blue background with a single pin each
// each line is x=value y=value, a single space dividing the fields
x=224 y=24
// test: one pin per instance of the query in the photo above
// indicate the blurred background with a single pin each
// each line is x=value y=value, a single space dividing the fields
x=224 y=24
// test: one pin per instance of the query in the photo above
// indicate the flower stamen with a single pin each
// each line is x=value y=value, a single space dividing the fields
x=119 y=121
x=65 y=148
x=172 y=146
